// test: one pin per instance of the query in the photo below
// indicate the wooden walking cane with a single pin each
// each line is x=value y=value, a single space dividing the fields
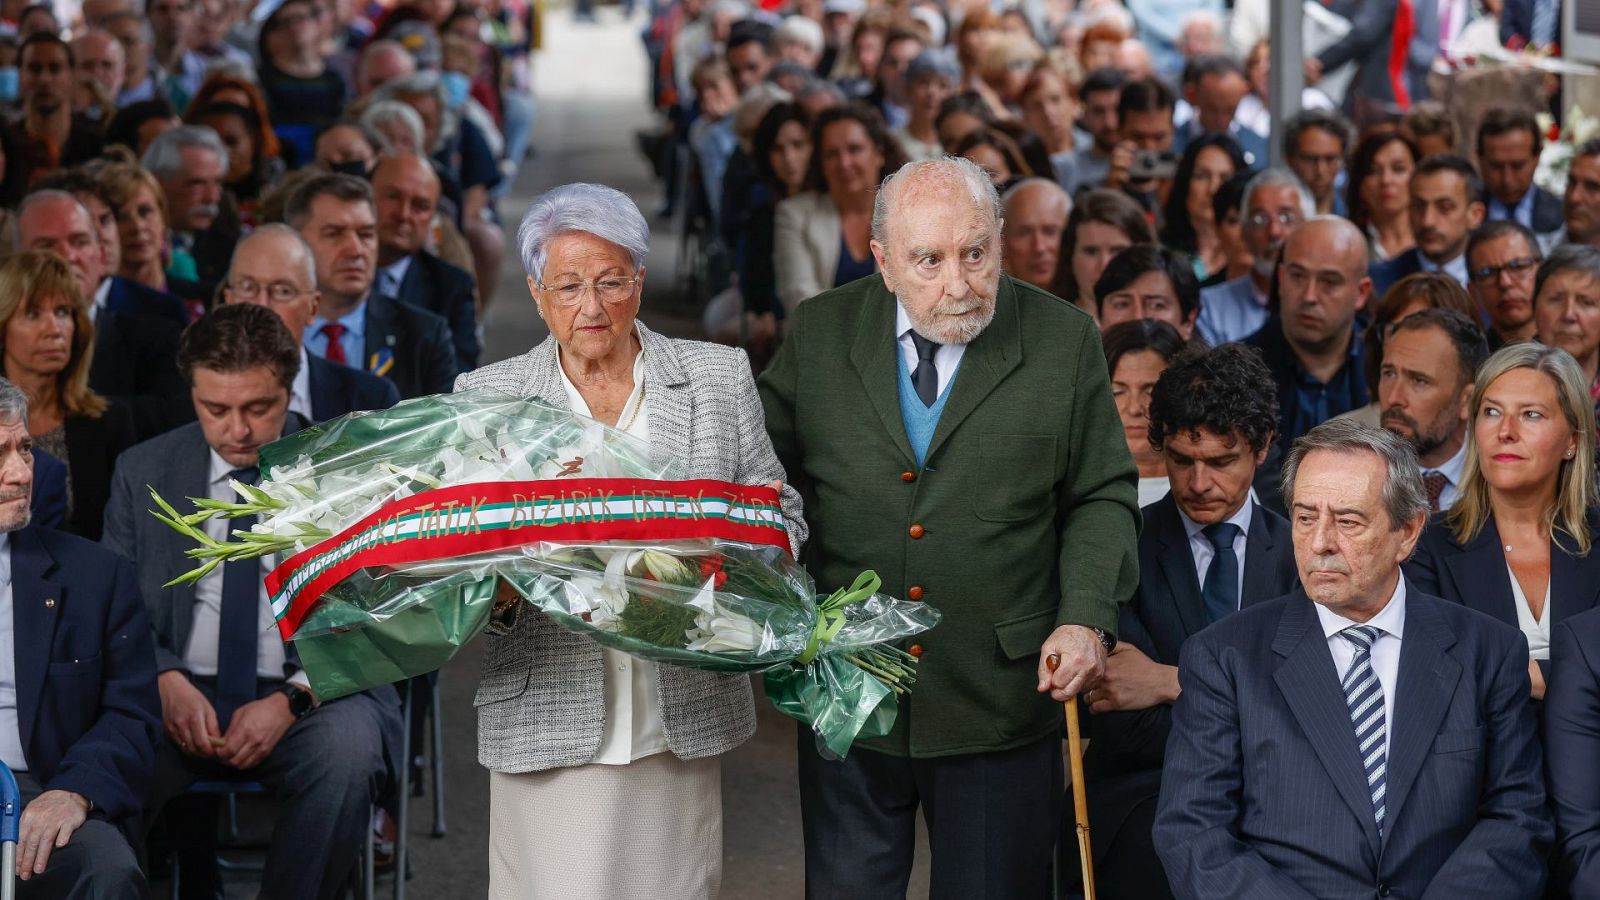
x=1080 y=801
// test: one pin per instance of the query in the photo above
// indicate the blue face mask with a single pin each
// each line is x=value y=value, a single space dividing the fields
x=8 y=83
x=456 y=87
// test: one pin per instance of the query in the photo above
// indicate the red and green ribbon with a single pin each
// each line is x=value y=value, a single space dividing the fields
x=469 y=519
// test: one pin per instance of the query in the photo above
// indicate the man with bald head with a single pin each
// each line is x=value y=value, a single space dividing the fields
x=135 y=339
x=1311 y=345
x=952 y=428
x=1036 y=211
x=406 y=192
x=98 y=56
x=274 y=267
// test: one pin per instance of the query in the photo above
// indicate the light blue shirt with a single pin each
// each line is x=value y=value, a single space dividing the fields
x=1455 y=268
x=1231 y=311
x=1522 y=213
x=354 y=338
x=1202 y=551
x=390 y=277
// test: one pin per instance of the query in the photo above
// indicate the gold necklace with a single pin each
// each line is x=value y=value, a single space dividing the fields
x=636 y=407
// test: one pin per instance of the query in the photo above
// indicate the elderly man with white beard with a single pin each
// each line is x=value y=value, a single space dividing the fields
x=952 y=428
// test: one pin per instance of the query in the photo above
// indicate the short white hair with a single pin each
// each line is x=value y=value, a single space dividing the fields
x=977 y=181
x=604 y=212
x=799 y=30
x=382 y=113
x=1277 y=178
x=1046 y=184
x=164 y=157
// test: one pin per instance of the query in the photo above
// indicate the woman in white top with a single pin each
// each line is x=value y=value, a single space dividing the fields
x=1137 y=352
x=1517 y=542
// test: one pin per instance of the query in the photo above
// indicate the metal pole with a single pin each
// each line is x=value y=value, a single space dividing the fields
x=1288 y=71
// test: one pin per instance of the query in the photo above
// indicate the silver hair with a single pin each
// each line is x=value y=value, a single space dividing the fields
x=1277 y=178
x=381 y=45
x=800 y=30
x=278 y=228
x=604 y=212
x=13 y=403
x=1049 y=184
x=47 y=195
x=978 y=183
x=164 y=157
x=1403 y=495
x=382 y=113
x=419 y=83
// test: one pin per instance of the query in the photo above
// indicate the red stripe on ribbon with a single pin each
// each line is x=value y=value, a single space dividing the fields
x=413 y=549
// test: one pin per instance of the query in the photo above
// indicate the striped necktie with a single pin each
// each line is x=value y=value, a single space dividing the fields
x=1363 y=694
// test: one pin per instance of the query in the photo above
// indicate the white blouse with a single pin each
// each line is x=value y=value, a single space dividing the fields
x=633 y=727
x=1537 y=631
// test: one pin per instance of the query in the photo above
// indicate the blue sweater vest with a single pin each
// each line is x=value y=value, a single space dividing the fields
x=920 y=421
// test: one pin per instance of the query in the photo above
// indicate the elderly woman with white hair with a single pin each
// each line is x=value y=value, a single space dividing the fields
x=605 y=780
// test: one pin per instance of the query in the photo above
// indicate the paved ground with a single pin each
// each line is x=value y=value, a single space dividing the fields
x=590 y=87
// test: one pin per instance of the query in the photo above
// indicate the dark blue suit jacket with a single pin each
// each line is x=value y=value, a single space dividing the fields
x=49 y=503
x=1474 y=574
x=1516 y=21
x=1126 y=749
x=128 y=296
x=1253 y=144
x=1386 y=272
x=87 y=706
x=336 y=389
x=409 y=346
x=1264 y=794
x=1572 y=744
x=446 y=291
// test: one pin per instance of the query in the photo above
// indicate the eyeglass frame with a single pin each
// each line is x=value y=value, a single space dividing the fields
x=588 y=285
x=1516 y=267
x=265 y=290
x=1287 y=218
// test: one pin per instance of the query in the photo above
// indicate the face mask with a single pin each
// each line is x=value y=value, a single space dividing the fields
x=456 y=88
x=8 y=83
x=351 y=167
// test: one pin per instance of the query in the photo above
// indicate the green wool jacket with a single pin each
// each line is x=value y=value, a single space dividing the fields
x=1024 y=517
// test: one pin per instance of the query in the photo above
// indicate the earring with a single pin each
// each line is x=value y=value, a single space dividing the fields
x=1569 y=454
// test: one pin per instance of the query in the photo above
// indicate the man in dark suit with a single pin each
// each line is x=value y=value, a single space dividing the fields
x=1572 y=743
x=1207 y=550
x=79 y=713
x=1530 y=24
x=1509 y=144
x=274 y=267
x=1446 y=205
x=1503 y=261
x=234 y=702
x=1354 y=738
x=134 y=353
x=358 y=326
x=1581 y=203
x=953 y=428
x=1214 y=85
x=405 y=192
x=1430 y=364
x=1312 y=347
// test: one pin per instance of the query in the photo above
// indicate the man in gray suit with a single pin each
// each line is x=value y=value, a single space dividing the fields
x=1354 y=738
x=235 y=705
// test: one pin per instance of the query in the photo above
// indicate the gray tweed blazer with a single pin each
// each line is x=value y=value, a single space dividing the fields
x=541 y=695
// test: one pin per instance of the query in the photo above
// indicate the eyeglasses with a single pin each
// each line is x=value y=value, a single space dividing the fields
x=1516 y=267
x=1263 y=219
x=278 y=292
x=609 y=288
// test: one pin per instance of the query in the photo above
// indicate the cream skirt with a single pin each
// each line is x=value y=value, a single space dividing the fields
x=650 y=830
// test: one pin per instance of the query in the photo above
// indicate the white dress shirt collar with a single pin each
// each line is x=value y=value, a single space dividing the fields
x=1391 y=620
x=945 y=360
x=300 y=391
x=1455 y=268
x=102 y=295
x=1201 y=549
x=1451 y=470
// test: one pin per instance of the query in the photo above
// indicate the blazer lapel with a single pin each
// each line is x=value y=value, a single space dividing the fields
x=1310 y=686
x=876 y=356
x=671 y=401
x=1480 y=574
x=541 y=379
x=1258 y=549
x=987 y=361
x=1574 y=580
x=187 y=479
x=1425 y=684
x=1177 y=567
x=379 y=333
x=36 y=605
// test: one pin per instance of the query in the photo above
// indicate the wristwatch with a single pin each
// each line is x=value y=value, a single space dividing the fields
x=1107 y=640
x=300 y=699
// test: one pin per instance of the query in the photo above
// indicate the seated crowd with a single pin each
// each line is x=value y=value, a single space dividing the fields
x=223 y=222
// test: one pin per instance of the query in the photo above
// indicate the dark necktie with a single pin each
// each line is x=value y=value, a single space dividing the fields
x=1221 y=590
x=1363 y=694
x=239 y=633
x=333 y=331
x=926 y=378
x=1435 y=483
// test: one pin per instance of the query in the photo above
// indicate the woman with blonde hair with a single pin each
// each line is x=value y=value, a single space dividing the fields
x=1516 y=543
x=141 y=211
x=46 y=348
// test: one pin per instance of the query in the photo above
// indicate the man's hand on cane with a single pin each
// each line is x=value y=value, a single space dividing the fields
x=1080 y=662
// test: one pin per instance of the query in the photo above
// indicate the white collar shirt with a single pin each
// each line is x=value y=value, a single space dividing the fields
x=946 y=359
x=1391 y=625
